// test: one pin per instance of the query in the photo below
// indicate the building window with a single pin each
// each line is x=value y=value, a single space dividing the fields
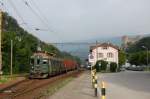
x=104 y=48
x=32 y=61
x=91 y=56
x=110 y=55
x=100 y=55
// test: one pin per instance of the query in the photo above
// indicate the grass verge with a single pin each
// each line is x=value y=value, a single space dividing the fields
x=6 y=78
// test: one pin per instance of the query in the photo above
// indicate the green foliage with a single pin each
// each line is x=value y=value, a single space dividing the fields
x=137 y=47
x=4 y=79
x=137 y=54
x=97 y=66
x=101 y=65
x=50 y=48
x=122 y=57
x=113 y=67
x=138 y=58
x=24 y=44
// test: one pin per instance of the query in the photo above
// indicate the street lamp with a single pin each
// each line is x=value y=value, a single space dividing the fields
x=147 y=53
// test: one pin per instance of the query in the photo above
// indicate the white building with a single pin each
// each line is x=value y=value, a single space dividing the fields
x=104 y=51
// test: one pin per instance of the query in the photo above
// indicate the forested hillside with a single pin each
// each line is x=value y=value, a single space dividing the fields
x=138 y=45
x=137 y=53
x=24 y=44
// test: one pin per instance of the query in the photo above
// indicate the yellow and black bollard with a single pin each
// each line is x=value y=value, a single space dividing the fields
x=103 y=91
x=95 y=86
x=93 y=80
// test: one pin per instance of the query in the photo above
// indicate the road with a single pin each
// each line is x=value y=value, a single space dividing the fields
x=127 y=85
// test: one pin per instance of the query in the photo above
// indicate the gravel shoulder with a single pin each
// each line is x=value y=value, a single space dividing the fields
x=79 y=88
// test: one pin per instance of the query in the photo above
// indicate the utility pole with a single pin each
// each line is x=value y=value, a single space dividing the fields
x=11 y=57
x=1 y=14
x=147 y=59
x=147 y=52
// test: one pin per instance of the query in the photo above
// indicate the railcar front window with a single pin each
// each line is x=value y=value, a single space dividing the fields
x=38 y=61
x=32 y=61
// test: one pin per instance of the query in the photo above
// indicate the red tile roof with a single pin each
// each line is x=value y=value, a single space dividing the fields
x=104 y=45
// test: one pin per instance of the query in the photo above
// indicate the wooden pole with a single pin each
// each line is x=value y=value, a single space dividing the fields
x=1 y=14
x=11 y=57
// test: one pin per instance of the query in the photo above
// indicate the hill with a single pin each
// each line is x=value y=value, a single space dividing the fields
x=145 y=41
x=24 y=44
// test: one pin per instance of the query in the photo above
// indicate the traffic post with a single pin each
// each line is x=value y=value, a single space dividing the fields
x=95 y=86
x=93 y=78
x=103 y=91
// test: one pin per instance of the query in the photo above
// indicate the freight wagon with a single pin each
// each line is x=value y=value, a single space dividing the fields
x=44 y=64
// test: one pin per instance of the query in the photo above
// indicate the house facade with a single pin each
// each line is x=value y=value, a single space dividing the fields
x=105 y=51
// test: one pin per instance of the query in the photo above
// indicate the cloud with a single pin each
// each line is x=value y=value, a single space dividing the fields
x=84 y=19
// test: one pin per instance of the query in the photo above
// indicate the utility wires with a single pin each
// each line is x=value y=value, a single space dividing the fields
x=18 y=13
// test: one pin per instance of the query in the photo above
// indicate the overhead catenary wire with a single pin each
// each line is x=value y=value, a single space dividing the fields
x=18 y=13
x=43 y=19
x=1 y=3
x=4 y=6
x=39 y=10
x=36 y=14
x=7 y=11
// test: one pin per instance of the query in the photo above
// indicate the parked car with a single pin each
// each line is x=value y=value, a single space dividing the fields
x=135 y=68
x=122 y=69
x=88 y=67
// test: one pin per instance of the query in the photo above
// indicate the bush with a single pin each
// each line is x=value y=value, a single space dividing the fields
x=101 y=65
x=113 y=67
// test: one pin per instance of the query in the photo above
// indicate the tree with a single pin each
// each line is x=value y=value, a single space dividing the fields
x=137 y=46
x=136 y=54
x=138 y=58
x=101 y=65
x=113 y=67
x=24 y=45
x=122 y=57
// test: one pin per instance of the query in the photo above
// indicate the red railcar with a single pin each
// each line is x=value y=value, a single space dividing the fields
x=69 y=64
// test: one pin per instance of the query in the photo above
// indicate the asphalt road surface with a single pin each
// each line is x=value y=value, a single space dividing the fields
x=127 y=85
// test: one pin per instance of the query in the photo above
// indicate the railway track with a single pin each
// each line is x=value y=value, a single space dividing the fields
x=29 y=89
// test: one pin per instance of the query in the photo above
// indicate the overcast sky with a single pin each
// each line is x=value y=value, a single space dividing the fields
x=75 y=20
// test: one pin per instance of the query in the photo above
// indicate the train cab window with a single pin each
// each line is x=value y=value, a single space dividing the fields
x=45 y=61
x=32 y=61
x=38 y=61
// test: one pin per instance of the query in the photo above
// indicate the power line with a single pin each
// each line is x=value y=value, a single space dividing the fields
x=42 y=18
x=1 y=3
x=36 y=14
x=18 y=13
x=33 y=2
x=3 y=6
